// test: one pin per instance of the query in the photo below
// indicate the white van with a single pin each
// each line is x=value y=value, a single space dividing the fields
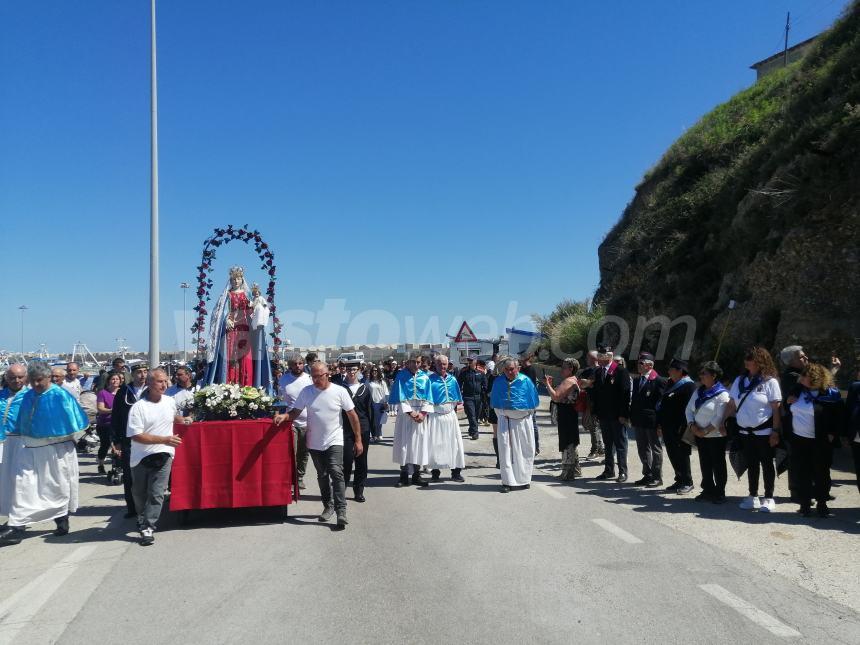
x=349 y=357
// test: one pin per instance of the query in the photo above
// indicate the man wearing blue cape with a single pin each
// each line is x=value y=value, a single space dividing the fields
x=410 y=400
x=50 y=421
x=443 y=427
x=514 y=398
x=10 y=441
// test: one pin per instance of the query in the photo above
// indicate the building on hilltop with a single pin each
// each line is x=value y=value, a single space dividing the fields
x=775 y=62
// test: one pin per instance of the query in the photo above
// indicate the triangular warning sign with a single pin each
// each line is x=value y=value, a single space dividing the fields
x=465 y=335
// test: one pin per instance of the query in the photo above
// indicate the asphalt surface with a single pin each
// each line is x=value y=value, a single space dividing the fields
x=455 y=563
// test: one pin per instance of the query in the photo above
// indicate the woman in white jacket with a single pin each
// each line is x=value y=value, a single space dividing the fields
x=705 y=414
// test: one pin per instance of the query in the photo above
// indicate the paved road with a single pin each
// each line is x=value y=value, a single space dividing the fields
x=455 y=563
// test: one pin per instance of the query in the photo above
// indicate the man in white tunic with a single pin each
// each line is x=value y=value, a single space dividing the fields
x=515 y=398
x=10 y=440
x=443 y=428
x=410 y=399
x=50 y=421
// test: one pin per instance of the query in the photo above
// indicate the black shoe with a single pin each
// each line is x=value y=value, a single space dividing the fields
x=654 y=483
x=822 y=510
x=62 y=526
x=359 y=495
x=435 y=475
x=683 y=490
x=622 y=478
x=302 y=484
x=830 y=498
x=341 y=520
x=805 y=510
x=704 y=497
x=403 y=481
x=605 y=475
x=673 y=488
x=456 y=476
x=418 y=480
x=473 y=437
x=101 y=470
x=327 y=513
x=718 y=499
x=11 y=535
x=146 y=537
x=642 y=482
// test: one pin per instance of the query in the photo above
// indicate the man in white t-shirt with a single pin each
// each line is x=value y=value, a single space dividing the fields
x=72 y=383
x=324 y=403
x=289 y=387
x=150 y=428
x=183 y=392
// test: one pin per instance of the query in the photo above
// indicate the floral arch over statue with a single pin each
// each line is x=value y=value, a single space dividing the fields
x=217 y=353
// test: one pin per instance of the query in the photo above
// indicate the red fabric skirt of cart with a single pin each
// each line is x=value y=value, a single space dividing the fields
x=233 y=464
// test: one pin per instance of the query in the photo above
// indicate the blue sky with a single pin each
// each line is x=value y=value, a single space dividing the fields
x=428 y=159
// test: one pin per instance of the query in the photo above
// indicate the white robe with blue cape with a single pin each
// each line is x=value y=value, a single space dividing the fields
x=514 y=402
x=443 y=428
x=10 y=444
x=410 y=393
x=46 y=467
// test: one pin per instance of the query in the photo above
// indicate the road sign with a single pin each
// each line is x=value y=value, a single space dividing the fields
x=465 y=335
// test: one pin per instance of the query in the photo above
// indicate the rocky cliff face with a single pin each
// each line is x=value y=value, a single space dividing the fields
x=759 y=203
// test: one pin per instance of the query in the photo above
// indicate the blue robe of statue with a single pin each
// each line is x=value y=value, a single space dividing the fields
x=519 y=394
x=51 y=417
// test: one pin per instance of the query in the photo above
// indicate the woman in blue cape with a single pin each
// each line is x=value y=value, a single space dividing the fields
x=514 y=398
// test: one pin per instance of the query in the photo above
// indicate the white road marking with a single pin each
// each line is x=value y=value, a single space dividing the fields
x=552 y=492
x=617 y=531
x=20 y=608
x=771 y=624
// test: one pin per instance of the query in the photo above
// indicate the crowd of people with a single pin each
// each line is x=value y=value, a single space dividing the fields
x=761 y=422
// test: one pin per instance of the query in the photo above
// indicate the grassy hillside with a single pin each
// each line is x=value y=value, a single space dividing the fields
x=758 y=202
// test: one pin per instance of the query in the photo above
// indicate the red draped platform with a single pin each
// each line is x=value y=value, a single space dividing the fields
x=233 y=464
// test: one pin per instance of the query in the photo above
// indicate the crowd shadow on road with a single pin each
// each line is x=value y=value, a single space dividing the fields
x=647 y=500
x=116 y=529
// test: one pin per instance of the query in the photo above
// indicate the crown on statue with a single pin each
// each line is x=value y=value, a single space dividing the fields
x=237 y=272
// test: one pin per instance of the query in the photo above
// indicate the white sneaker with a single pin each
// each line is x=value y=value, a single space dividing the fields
x=767 y=505
x=750 y=503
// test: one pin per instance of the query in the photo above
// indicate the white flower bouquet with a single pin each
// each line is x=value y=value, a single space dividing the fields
x=226 y=402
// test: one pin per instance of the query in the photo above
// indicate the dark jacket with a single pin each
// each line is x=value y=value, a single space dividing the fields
x=472 y=382
x=829 y=417
x=851 y=425
x=363 y=408
x=672 y=417
x=122 y=403
x=610 y=393
x=643 y=403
